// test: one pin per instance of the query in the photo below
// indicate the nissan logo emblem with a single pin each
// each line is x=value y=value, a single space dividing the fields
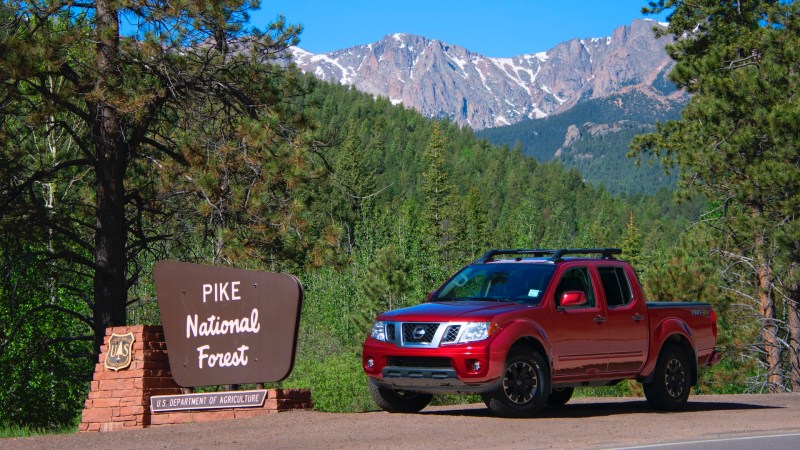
x=419 y=332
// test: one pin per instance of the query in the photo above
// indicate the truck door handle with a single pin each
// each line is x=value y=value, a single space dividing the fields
x=638 y=317
x=599 y=319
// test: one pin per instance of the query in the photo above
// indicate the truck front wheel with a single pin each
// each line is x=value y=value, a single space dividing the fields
x=669 y=389
x=524 y=388
x=560 y=396
x=398 y=401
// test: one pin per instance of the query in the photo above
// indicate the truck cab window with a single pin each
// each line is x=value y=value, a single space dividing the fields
x=616 y=286
x=576 y=279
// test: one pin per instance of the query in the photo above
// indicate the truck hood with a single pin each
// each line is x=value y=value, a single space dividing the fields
x=470 y=310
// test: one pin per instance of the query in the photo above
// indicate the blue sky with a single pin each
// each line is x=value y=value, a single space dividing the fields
x=493 y=28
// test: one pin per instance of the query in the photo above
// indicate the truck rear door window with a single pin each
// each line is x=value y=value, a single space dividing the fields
x=616 y=286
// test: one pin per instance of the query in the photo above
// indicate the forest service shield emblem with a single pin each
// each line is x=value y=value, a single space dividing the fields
x=120 y=351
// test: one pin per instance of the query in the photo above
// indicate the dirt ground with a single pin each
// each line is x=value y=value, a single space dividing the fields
x=582 y=423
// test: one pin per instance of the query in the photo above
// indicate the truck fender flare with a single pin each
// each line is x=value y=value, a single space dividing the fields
x=523 y=332
x=670 y=330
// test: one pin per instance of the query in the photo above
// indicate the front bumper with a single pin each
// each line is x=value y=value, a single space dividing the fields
x=459 y=368
x=431 y=381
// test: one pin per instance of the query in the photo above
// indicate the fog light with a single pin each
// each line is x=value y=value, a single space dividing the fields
x=476 y=366
x=370 y=363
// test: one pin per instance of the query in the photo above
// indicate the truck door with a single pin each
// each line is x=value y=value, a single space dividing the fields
x=628 y=329
x=579 y=337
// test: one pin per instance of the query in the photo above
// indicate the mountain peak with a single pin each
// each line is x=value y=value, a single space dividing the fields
x=444 y=80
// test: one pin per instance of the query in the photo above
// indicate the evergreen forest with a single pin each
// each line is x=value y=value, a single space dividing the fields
x=593 y=137
x=192 y=140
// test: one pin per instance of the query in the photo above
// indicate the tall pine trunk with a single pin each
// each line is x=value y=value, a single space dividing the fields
x=766 y=299
x=111 y=152
x=793 y=304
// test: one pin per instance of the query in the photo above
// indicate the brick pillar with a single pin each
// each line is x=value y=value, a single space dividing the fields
x=121 y=399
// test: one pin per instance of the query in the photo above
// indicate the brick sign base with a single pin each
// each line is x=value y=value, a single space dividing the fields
x=120 y=400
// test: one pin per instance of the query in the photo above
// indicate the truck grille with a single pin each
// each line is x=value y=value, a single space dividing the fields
x=451 y=334
x=390 y=332
x=419 y=333
x=423 y=334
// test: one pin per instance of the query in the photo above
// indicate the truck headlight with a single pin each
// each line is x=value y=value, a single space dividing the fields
x=478 y=331
x=378 y=331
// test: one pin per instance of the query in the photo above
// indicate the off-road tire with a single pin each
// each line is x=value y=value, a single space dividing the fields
x=524 y=387
x=398 y=401
x=671 y=383
x=560 y=396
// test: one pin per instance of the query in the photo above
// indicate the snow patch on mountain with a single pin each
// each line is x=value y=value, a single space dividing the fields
x=443 y=80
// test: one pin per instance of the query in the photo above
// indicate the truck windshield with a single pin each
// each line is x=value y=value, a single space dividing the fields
x=522 y=283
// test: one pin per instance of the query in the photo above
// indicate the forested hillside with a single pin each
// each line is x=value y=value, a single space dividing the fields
x=594 y=136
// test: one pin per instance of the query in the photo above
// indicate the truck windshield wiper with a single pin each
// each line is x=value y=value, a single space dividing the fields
x=446 y=299
x=480 y=299
x=493 y=299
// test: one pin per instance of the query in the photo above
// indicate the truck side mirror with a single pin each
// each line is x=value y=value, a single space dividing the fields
x=573 y=298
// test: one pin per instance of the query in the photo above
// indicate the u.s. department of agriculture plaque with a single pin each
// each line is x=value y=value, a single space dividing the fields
x=225 y=325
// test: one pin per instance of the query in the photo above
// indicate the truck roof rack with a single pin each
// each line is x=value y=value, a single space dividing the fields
x=552 y=255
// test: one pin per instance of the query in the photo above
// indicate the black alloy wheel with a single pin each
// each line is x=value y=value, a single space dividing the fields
x=669 y=390
x=675 y=378
x=524 y=387
x=520 y=382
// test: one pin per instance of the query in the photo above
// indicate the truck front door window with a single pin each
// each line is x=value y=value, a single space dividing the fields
x=577 y=279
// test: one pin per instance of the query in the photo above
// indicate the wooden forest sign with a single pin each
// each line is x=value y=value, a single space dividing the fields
x=225 y=325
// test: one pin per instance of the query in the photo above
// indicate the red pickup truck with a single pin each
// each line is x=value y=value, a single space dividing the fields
x=523 y=328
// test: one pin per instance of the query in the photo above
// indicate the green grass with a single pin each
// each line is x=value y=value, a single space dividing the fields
x=622 y=389
x=337 y=382
x=12 y=431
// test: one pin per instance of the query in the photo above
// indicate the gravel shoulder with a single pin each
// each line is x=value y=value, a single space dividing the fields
x=582 y=423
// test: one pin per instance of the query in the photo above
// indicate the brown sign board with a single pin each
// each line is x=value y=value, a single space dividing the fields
x=227 y=326
x=210 y=400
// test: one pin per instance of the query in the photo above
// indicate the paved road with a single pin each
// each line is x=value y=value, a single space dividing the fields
x=763 y=442
x=727 y=422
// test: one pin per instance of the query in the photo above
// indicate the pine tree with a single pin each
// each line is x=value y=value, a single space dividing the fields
x=355 y=179
x=437 y=192
x=737 y=141
x=632 y=245
x=188 y=109
x=475 y=237
x=383 y=287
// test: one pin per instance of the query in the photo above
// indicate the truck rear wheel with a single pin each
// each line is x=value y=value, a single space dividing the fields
x=669 y=390
x=524 y=387
x=398 y=401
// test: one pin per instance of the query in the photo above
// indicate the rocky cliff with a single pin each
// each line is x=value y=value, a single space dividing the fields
x=443 y=80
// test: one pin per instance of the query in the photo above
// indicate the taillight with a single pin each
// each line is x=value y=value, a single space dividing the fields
x=714 y=323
